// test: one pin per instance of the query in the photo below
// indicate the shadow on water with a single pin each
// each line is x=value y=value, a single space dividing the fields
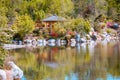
x=92 y=61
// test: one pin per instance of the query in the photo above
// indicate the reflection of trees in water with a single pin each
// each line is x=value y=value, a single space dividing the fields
x=114 y=61
x=86 y=66
x=34 y=71
x=94 y=66
x=83 y=63
x=31 y=64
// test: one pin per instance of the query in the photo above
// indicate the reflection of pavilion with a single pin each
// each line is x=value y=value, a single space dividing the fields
x=54 y=58
x=52 y=64
x=52 y=53
x=49 y=57
x=72 y=76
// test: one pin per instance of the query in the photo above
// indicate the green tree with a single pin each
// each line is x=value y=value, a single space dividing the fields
x=80 y=25
x=113 y=9
x=23 y=25
x=39 y=8
x=3 y=18
x=114 y=4
x=5 y=33
x=39 y=14
x=60 y=7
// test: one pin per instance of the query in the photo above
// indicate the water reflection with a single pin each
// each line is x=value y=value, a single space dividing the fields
x=91 y=61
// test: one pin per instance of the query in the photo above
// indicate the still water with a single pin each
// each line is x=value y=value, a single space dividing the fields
x=92 y=61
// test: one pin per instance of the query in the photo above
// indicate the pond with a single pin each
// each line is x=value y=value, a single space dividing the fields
x=91 y=61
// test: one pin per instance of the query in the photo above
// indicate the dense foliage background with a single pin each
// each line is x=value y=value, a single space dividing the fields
x=22 y=14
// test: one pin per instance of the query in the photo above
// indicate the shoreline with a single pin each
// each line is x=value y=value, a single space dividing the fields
x=55 y=43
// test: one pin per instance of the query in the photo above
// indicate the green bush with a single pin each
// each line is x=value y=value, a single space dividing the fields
x=79 y=24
